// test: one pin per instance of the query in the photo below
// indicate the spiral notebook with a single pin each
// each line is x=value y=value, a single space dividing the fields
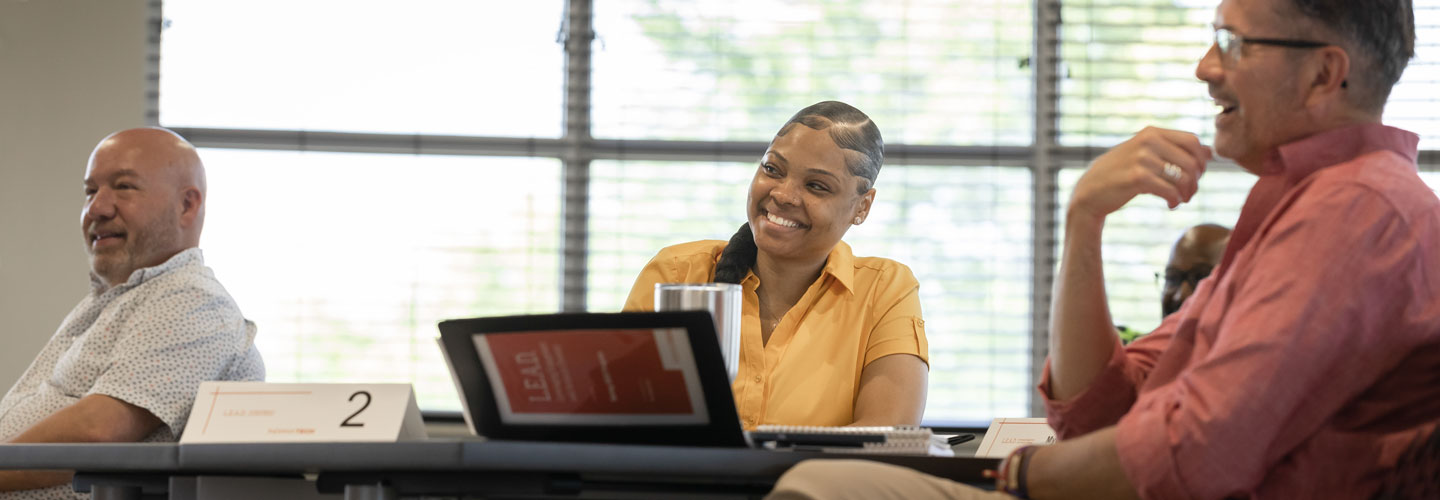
x=900 y=440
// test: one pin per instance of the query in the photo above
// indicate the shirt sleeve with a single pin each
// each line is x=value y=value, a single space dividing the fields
x=1113 y=391
x=1306 y=331
x=642 y=294
x=172 y=342
x=685 y=263
x=899 y=327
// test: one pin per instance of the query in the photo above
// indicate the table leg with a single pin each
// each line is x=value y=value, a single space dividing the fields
x=115 y=492
x=377 y=491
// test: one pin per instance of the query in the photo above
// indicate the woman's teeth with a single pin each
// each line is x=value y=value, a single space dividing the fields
x=779 y=221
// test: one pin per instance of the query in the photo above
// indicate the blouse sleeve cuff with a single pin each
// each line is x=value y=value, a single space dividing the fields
x=906 y=336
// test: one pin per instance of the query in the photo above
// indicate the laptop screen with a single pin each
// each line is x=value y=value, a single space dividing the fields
x=593 y=376
x=636 y=377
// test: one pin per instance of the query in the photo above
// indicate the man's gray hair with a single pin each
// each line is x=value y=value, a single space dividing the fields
x=1384 y=30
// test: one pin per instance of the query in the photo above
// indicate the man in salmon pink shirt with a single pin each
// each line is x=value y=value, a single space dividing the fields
x=1308 y=364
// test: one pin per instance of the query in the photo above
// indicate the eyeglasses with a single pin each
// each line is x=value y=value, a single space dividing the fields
x=1229 y=42
x=1176 y=277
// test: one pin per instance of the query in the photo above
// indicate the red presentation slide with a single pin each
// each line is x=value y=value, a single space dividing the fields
x=635 y=372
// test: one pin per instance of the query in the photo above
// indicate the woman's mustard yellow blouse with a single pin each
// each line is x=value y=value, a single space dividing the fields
x=860 y=309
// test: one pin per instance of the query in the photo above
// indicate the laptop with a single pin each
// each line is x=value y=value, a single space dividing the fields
x=634 y=378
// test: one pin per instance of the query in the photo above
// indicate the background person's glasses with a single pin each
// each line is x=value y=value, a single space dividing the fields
x=1230 y=42
x=1173 y=278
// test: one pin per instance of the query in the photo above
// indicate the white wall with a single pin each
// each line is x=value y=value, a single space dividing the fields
x=71 y=71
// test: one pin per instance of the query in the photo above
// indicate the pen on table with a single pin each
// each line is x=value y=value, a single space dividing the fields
x=960 y=438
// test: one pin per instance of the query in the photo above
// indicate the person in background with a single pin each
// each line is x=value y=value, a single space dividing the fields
x=127 y=361
x=1308 y=364
x=1193 y=258
x=826 y=338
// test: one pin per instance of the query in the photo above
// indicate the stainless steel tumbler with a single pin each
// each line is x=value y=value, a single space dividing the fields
x=722 y=300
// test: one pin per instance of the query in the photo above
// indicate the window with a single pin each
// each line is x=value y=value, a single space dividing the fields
x=1127 y=65
x=1112 y=52
x=336 y=65
x=927 y=71
x=1414 y=103
x=376 y=167
x=347 y=261
x=639 y=207
x=965 y=233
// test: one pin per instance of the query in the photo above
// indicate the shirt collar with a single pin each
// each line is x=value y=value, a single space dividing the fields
x=840 y=264
x=1298 y=159
x=138 y=276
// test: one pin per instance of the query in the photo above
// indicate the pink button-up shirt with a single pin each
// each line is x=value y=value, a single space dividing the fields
x=1311 y=357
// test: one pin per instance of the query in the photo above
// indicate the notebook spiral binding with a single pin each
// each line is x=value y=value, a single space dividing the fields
x=898 y=440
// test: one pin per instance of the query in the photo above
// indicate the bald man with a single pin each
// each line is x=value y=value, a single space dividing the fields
x=126 y=362
x=1195 y=255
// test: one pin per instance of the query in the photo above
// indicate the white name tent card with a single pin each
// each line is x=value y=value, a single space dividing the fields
x=260 y=412
x=1007 y=434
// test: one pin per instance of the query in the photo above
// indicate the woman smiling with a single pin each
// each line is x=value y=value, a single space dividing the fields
x=826 y=338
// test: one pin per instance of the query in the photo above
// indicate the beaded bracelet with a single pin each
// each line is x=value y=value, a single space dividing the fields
x=1010 y=479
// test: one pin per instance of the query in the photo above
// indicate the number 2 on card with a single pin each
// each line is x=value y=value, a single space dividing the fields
x=347 y=422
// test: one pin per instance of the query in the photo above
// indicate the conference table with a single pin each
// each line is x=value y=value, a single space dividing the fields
x=436 y=467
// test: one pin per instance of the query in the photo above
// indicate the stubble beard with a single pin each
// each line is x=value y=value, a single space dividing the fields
x=140 y=248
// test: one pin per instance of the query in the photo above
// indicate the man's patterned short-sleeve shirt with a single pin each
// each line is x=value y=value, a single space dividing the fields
x=149 y=342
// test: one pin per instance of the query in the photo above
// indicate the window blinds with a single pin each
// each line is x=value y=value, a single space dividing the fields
x=416 y=162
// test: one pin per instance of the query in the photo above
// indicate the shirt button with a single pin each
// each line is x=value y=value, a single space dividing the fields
x=758 y=379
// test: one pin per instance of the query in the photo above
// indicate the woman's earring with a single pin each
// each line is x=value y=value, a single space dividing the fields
x=857 y=220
